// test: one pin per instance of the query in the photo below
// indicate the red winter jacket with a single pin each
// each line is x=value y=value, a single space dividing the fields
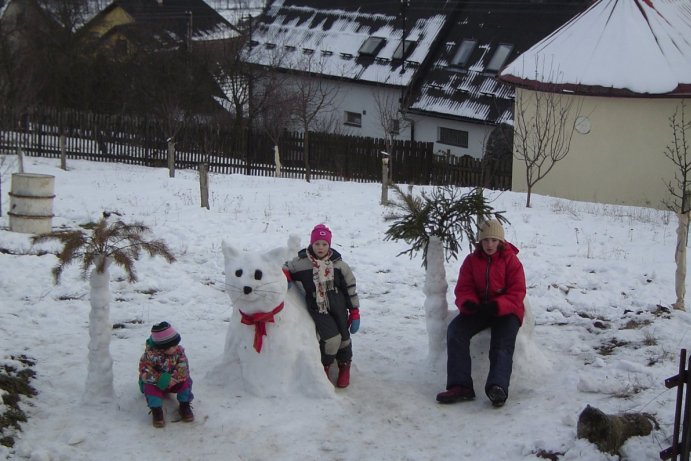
x=499 y=278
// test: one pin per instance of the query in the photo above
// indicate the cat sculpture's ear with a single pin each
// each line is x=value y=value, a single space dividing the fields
x=293 y=244
x=228 y=251
x=277 y=255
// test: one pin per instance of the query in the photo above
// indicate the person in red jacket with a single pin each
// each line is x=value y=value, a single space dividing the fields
x=489 y=294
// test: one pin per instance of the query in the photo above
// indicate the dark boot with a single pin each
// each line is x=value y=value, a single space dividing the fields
x=186 y=412
x=343 y=374
x=157 y=417
x=326 y=370
x=497 y=395
x=455 y=394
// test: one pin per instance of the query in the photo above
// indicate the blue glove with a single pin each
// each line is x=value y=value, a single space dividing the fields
x=354 y=320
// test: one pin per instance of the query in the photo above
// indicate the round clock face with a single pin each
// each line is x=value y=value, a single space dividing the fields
x=582 y=124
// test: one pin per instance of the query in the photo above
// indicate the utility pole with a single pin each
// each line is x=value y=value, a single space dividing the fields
x=404 y=27
x=188 y=38
x=249 y=99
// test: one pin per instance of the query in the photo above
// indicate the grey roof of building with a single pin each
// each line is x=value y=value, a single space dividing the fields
x=472 y=92
x=325 y=37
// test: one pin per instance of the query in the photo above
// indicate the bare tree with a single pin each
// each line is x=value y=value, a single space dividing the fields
x=498 y=151
x=389 y=111
x=543 y=129
x=274 y=118
x=391 y=121
x=314 y=100
x=680 y=191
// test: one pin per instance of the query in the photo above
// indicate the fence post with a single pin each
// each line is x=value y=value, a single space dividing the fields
x=385 y=178
x=171 y=157
x=277 y=162
x=204 y=184
x=63 y=151
x=679 y=381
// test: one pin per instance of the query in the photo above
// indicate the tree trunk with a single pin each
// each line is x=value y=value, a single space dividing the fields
x=306 y=149
x=99 y=379
x=680 y=259
x=63 y=152
x=436 y=306
x=609 y=432
x=171 y=158
x=204 y=184
x=527 y=200
x=277 y=162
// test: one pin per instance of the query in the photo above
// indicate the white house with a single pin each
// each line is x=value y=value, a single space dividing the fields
x=441 y=86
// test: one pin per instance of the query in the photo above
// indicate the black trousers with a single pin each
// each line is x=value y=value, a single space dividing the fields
x=502 y=344
x=332 y=327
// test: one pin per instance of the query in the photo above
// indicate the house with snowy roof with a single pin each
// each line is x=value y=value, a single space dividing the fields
x=157 y=25
x=413 y=70
x=628 y=64
x=458 y=101
x=365 y=54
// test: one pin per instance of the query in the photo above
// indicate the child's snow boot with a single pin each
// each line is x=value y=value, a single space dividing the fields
x=343 y=374
x=157 y=417
x=186 y=412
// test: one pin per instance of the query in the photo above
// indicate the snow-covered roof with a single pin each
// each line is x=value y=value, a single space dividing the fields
x=493 y=33
x=307 y=36
x=640 y=47
x=237 y=11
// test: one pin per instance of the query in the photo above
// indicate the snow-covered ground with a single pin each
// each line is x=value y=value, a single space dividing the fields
x=597 y=276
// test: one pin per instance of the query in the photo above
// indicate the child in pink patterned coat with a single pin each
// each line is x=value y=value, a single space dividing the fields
x=163 y=369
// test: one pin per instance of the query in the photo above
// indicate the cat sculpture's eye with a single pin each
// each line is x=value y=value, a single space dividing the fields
x=238 y=273
x=258 y=274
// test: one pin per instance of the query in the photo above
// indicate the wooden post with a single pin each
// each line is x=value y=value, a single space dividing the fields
x=171 y=158
x=63 y=152
x=277 y=162
x=20 y=159
x=204 y=184
x=385 y=180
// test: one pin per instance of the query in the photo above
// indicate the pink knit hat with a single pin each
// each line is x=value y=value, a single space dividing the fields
x=163 y=336
x=320 y=232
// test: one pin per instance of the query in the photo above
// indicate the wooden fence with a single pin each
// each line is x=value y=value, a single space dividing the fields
x=680 y=448
x=142 y=141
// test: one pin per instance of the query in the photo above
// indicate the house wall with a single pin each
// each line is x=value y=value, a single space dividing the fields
x=427 y=129
x=620 y=161
x=365 y=100
x=361 y=99
x=116 y=17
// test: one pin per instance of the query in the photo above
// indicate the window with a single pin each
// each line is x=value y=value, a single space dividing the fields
x=400 y=53
x=395 y=126
x=353 y=119
x=499 y=58
x=371 y=46
x=453 y=137
x=463 y=52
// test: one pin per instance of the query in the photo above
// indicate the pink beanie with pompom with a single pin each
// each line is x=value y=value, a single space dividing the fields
x=320 y=232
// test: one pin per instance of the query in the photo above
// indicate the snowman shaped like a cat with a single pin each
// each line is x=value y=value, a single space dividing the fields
x=271 y=347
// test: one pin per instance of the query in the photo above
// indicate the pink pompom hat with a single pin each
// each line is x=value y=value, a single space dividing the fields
x=320 y=232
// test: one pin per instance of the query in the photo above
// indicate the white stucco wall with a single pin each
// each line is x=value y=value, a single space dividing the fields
x=360 y=99
x=427 y=128
x=620 y=161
